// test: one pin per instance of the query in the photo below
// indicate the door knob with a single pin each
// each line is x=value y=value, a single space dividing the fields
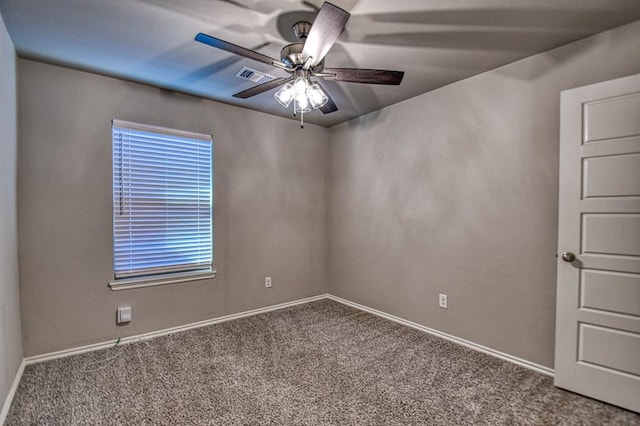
x=567 y=256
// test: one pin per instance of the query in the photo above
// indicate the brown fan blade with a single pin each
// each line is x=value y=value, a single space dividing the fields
x=330 y=106
x=261 y=88
x=361 y=75
x=238 y=50
x=326 y=29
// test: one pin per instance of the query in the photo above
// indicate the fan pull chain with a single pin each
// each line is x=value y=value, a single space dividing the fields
x=302 y=119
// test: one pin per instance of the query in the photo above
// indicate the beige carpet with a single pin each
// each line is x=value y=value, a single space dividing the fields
x=314 y=364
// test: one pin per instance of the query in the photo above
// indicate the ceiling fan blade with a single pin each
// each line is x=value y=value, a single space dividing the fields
x=361 y=75
x=324 y=32
x=261 y=88
x=330 y=106
x=238 y=50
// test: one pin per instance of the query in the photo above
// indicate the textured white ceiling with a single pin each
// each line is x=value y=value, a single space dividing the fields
x=435 y=42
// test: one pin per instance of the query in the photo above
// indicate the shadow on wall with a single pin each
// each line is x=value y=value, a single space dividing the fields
x=521 y=17
x=531 y=70
x=214 y=68
x=349 y=95
x=523 y=30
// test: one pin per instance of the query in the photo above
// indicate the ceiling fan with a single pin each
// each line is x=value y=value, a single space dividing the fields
x=304 y=60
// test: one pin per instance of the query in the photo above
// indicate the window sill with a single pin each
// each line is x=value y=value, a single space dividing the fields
x=140 y=282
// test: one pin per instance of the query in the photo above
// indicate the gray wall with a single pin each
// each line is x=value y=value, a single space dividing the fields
x=10 y=333
x=455 y=191
x=270 y=208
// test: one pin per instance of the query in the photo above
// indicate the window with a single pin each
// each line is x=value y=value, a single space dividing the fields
x=162 y=201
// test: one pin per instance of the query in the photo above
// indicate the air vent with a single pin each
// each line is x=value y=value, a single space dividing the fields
x=252 y=75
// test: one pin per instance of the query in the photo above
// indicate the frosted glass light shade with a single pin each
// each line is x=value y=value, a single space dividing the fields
x=317 y=97
x=300 y=86
x=302 y=103
x=285 y=95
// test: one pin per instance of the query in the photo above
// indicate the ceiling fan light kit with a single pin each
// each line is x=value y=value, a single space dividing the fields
x=304 y=60
x=305 y=95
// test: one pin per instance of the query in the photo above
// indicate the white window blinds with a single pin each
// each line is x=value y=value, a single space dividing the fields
x=162 y=200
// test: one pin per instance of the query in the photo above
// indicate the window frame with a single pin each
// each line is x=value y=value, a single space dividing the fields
x=162 y=277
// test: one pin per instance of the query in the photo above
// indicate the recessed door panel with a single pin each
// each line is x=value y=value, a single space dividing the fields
x=610 y=291
x=612 y=118
x=614 y=349
x=612 y=234
x=613 y=176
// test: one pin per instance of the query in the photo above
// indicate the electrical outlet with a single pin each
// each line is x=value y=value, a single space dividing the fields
x=442 y=301
x=267 y=282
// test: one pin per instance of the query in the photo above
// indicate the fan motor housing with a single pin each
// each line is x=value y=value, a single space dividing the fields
x=291 y=55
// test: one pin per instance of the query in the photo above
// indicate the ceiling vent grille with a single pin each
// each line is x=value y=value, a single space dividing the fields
x=250 y=74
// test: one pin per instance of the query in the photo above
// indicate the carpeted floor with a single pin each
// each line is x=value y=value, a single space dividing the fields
x=314 y=364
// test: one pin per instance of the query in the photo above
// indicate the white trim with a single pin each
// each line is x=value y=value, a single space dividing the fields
x=179 y=277
x=129 y=125
x=12 y=392
x=130 y=339
x=466 y=343
x=489 y=351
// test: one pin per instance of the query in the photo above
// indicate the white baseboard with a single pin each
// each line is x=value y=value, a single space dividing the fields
x=104 y=345
x=109 y=344
x=12 y=391
x=514 y=359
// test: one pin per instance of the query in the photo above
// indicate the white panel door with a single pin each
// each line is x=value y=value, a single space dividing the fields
x=598 y=293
